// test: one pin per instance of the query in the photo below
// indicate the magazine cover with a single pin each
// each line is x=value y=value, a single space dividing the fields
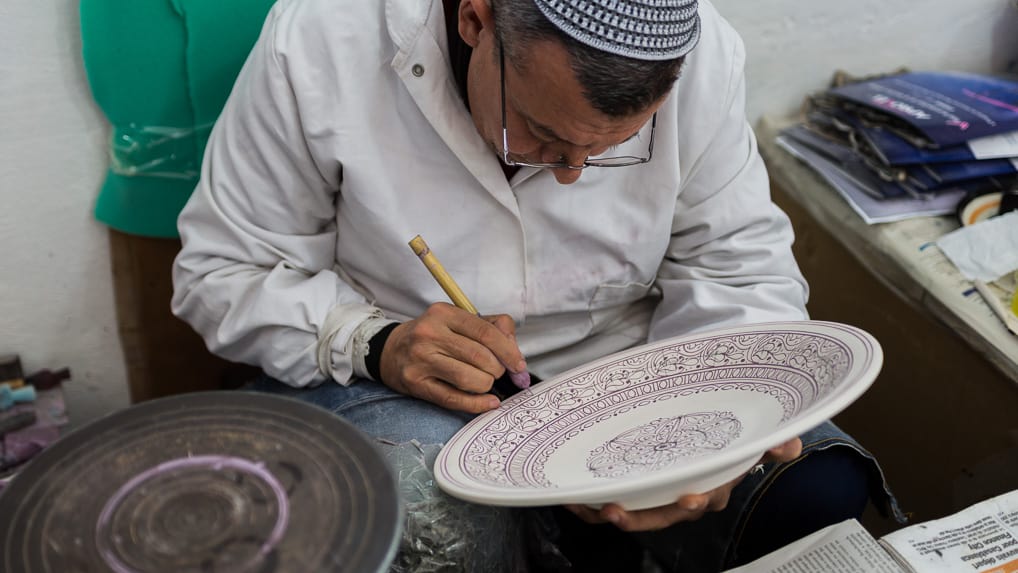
x=945 y=108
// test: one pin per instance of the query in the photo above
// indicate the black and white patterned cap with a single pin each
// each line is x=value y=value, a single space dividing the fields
x=639 y=29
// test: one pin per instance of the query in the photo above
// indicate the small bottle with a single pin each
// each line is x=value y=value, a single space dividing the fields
x=11 y=396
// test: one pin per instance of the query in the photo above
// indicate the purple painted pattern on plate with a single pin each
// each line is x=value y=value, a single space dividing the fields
x=663 y=442
x=796 y=368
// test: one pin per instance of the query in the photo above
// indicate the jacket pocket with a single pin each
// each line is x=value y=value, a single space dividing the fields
x=623 y=308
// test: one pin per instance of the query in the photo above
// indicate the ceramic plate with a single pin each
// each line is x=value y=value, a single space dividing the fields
x=650 y=424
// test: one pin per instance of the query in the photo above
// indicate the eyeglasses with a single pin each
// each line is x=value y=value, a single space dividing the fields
x=620 y=161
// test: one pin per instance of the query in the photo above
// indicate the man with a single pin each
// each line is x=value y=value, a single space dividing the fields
x=583 y=199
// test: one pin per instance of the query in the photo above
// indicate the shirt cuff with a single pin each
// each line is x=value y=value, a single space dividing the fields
x=337 y=341
x=362 y=345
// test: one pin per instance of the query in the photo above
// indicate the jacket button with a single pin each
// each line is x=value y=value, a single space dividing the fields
x=417 y=70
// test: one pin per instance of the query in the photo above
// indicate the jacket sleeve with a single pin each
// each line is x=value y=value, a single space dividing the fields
x=255 y=276
x=729 y=260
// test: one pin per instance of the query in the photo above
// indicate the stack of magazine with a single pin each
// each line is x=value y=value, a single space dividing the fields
x=911 y=144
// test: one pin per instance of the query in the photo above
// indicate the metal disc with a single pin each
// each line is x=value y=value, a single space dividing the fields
x=201 y=483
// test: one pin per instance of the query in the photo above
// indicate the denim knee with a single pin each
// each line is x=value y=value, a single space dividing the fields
x=822 y=488
x=375 y=409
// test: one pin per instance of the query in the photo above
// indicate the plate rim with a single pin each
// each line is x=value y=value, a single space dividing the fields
x=832 y=404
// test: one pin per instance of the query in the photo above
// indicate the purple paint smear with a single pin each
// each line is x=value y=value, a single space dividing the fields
x=520 y=379
x=215 y=463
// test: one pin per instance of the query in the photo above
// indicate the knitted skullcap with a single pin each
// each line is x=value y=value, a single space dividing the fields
x=639 y=29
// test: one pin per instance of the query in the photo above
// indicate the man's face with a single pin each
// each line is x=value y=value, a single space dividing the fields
x=547 y=117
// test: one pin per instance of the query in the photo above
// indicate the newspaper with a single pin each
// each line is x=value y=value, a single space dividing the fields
x=980 y=539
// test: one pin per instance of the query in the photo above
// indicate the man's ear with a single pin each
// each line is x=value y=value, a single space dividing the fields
x=475 y=19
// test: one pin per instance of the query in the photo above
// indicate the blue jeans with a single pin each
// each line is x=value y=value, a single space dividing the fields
x=766 y=510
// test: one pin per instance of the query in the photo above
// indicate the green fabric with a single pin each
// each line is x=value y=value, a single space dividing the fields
x=161 y=70
x=213 y=60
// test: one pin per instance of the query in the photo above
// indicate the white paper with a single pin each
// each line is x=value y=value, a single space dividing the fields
x=840 y=548
x=995 y=146
x=982 y=538
x=986 y=250
x=871 y=209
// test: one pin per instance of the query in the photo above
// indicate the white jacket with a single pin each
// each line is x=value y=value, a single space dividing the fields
x=331 y=154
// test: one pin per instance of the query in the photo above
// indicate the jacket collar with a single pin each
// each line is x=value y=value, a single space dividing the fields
x=417 y=29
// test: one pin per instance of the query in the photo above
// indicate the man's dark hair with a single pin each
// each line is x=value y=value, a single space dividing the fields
x=614 y=85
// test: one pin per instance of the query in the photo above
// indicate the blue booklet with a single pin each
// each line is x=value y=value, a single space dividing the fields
x=947 y=173
x=913 y=180
x=896 y=150
x=895 y=158
x=944 y=108
x=871 y=209
x=850 y=163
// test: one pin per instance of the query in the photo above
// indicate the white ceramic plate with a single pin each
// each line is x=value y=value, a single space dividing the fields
x=645 y=426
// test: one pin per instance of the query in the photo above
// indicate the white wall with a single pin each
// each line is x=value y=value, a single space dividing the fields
x=56 y=306
x=794 y=46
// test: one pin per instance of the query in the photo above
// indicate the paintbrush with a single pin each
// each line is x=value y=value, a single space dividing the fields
x=421 y=249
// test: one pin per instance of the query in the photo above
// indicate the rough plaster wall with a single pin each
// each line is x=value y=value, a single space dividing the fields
x=793 y=46
x=55 y=289
x=56 y=307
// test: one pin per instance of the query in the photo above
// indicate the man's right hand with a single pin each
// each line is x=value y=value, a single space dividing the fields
x=451 y=357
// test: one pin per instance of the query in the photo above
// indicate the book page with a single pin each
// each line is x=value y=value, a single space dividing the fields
x=980 y=539
x=840 y=548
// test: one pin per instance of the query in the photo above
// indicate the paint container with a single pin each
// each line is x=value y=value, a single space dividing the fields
x=11 y=396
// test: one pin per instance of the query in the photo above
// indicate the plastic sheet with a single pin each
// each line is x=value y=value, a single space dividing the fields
x=157 y=151
x=442 y=534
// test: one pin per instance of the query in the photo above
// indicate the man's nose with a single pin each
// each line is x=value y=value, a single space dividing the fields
x=566 y=176
x=574 y=156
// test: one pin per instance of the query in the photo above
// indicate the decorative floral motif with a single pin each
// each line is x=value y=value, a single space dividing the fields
x=796 y=368
x=661 y=443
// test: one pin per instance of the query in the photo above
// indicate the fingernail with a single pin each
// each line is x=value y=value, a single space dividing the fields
x=692 y=505
x=493 y=403
x=521 y=366
x=614 y=518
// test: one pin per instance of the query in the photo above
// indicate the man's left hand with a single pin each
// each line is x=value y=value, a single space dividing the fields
x=687 y=508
